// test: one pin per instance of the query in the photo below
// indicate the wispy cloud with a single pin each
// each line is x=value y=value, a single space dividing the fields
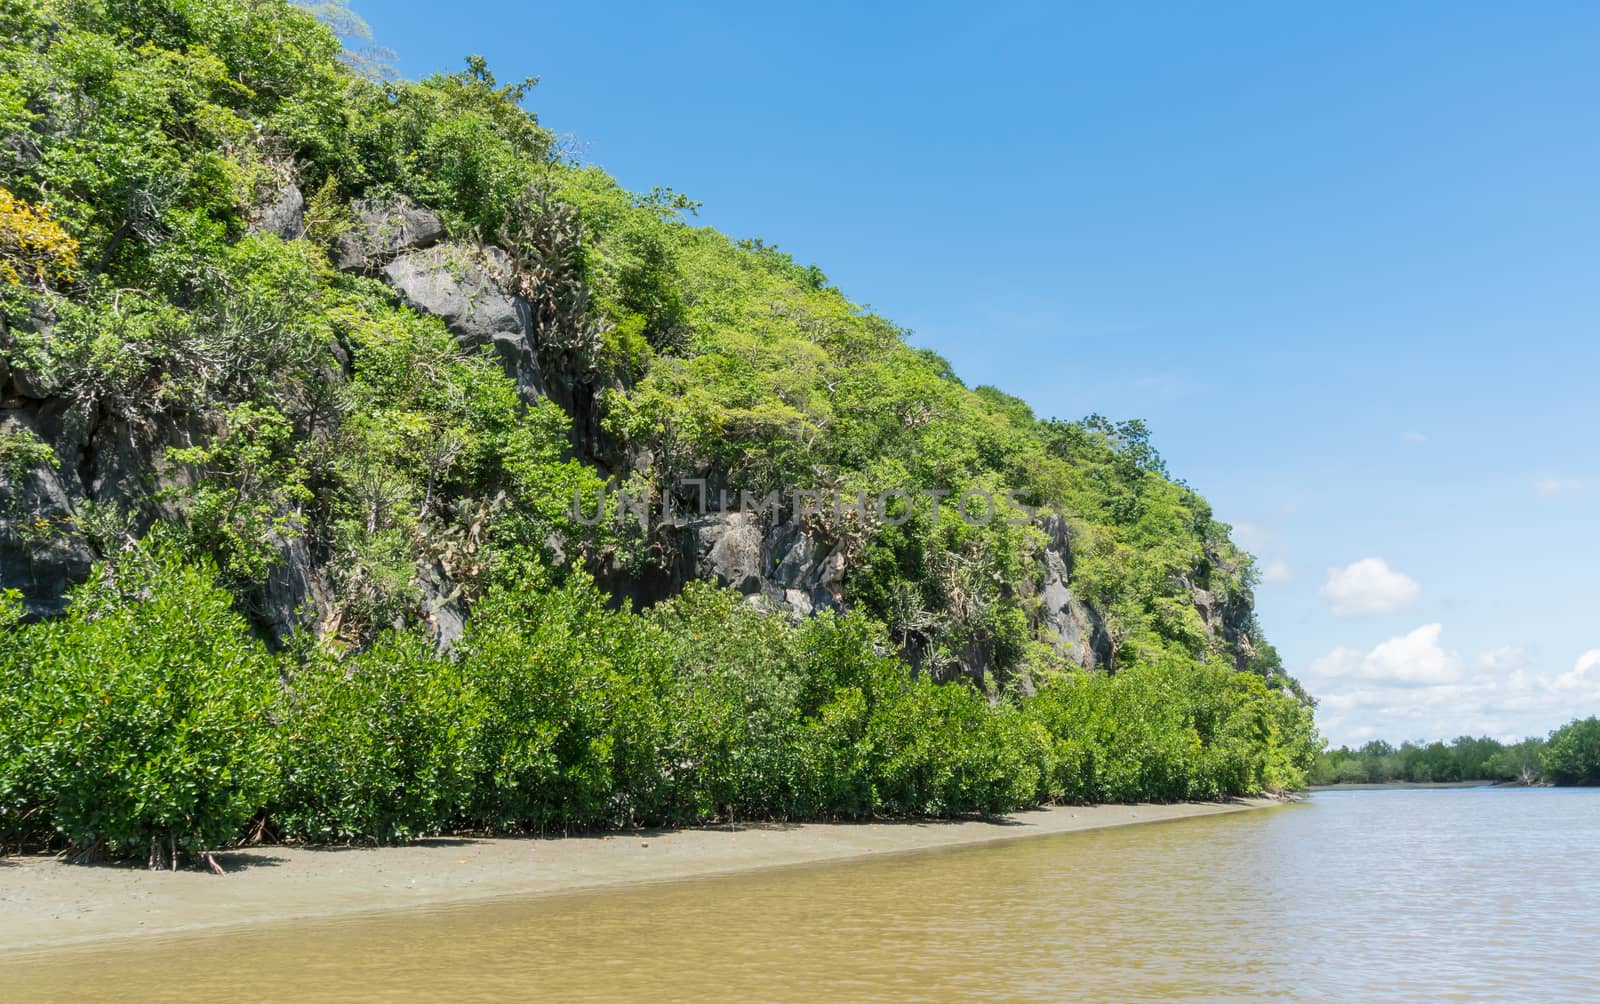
x=1276 y=572
x=1262 y=541
x=1505 y=659
x=1551 y=487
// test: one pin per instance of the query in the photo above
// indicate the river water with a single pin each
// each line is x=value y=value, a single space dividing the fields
x=1466 y=894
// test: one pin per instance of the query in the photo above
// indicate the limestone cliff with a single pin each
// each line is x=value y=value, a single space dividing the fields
x=102 y=464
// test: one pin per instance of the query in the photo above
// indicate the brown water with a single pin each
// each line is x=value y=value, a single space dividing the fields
x=1372 y=895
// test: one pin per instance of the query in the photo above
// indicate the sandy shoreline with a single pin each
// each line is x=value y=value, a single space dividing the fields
x=46 y=904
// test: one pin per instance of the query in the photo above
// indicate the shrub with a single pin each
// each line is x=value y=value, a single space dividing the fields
x=831 y=760
x=547 y=669
x=381 y=747
x=1573 y=754
x=944 y=751
x=34 y=250
x=877 y=740
x=145 y=714
x=19 y=801
x=1169 y=730
x=729 y=690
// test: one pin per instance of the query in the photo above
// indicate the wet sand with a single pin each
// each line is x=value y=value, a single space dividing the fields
x=45 y=903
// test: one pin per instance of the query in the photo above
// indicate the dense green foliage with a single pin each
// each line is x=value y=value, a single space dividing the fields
x=151 y=718
x=295 y=402
x=1571 y=755
x=141 y=723
x=382 y=745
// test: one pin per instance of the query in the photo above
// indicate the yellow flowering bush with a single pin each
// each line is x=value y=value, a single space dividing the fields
x=34 y=249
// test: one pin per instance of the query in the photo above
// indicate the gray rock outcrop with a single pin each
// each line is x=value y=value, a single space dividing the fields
x=37 y=501
x=113 y=470
x=457 y=285
x=782 y=568
x=1064 y=621
x=1228 y=614
x=19 y=379
x=283 y=214
x=293 y=598
x=109 y=466
x=385 y=229
x=444 y=611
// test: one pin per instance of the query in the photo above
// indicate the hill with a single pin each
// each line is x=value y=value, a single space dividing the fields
x=362 y=392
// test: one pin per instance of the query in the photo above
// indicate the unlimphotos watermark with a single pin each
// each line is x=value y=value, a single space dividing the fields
x=894 y=507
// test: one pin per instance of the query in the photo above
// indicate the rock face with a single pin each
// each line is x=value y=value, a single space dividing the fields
x=445 y=614
x=36 y=501
x=1228 y=615
x=107 y=464
x=782 y=568
x=111 y=466
x=116 y=465
x=383 y=230
x=1064 y=621
x=293 y=597
x=456 y=284
x=18 y=381
x=284 y=214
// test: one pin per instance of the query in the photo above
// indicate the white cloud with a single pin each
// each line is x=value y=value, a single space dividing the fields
x=1415 y=437
x=1409 y=660
x=1368 y=587
x=1276 y=572
x=1411 y=687
x=1551 y=487
x=1504 y=660
x=1585 y=675
x=1413 y=658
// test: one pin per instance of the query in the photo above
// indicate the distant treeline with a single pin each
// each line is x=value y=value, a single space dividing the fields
x=1570 y=756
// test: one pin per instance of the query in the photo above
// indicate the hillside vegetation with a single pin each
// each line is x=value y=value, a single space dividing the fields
x=302 y=374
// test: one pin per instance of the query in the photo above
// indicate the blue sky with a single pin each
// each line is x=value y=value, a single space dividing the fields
x=1344 y=259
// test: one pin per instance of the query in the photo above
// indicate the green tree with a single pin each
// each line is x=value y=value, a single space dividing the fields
x=1572 y=755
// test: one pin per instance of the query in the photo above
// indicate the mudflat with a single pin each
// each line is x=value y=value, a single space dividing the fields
x=46 y=903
